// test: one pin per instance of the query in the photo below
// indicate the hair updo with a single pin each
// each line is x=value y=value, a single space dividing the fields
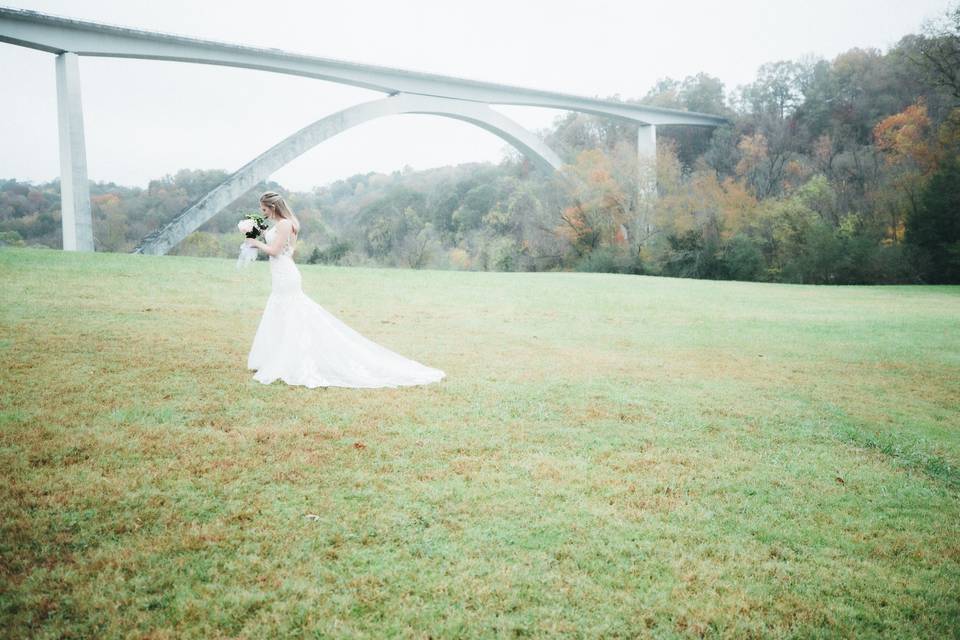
x=275 y=201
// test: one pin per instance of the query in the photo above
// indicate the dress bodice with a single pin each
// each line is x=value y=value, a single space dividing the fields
x=287 y=248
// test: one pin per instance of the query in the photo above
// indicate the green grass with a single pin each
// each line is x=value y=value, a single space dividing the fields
x=610 y=456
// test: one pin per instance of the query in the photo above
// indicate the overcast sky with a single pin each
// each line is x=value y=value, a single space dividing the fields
x=145 y=119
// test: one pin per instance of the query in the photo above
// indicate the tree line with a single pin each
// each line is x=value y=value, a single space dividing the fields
x=844 y=171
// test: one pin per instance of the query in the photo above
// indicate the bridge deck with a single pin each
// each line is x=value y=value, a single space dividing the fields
x=58 y=35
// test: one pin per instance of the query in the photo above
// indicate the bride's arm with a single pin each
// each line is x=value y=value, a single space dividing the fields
x=275 y=247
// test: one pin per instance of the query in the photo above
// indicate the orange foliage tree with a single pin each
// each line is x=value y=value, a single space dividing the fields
x=717 y=209
x=910 y=156
x=601 y=201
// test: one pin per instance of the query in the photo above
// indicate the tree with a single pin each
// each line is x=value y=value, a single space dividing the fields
x=200 y=244
x=703 y=93
x=722 y=155
x=935 y=228
x=333 y=254
x=665 y=93
x=576 y=132
x=764 y=159
x=939 y=51
x=905 y=140
x=417 y=249
x=601 y=202
x=777 y=91
x=109 y=222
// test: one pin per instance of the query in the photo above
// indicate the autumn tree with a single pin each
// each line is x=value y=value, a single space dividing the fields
x=601 y=200
x=905 y=141
x=109 y=222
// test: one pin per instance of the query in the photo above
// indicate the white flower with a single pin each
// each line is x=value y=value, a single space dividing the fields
x=245 y=225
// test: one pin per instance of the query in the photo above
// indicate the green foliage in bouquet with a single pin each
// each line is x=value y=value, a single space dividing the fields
x=259 y=225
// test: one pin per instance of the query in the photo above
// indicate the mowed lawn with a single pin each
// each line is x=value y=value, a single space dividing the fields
x=610 y=456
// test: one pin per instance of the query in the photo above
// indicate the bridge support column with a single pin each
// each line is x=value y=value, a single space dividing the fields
x=75 y=212
x=647 y=157
x=646 y=179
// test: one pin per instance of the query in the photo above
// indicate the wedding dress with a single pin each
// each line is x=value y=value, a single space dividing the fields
x=301 y=343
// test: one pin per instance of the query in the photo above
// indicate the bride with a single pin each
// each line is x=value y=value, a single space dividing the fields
x=300 y=342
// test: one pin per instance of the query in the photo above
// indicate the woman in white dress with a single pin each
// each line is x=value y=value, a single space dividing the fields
x=300 y=342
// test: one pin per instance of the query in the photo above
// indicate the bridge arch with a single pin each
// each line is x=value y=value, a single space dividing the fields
x=261 y=167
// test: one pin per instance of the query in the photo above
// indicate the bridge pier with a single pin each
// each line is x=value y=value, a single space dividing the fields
x=75 y=211
x=646 y=178
x=647 y=161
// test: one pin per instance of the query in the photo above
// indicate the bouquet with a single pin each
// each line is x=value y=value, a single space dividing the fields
x=252 y=226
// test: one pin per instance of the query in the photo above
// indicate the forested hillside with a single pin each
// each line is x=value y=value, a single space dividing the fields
x=831 y=171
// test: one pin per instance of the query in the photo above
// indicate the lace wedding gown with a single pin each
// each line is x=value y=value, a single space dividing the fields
x=301 y=343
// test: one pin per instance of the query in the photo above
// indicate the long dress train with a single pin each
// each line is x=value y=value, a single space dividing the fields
x=301 y=343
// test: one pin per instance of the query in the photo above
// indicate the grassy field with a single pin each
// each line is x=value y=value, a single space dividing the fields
x=610 y=456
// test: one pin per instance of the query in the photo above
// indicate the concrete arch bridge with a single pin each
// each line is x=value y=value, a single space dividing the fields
x=405 y=92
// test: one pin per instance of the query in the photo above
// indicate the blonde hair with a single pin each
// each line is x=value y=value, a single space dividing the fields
x=276 y=202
